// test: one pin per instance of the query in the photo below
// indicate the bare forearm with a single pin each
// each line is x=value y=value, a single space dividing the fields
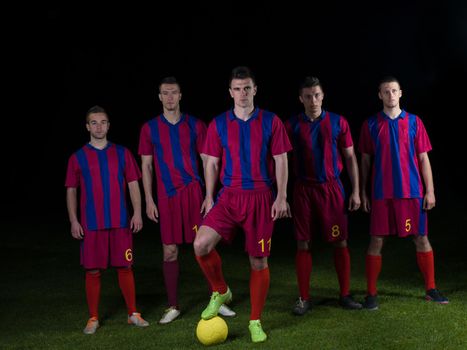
x=282 y=173
x=427 y=174
x=352 y=168
x=135 y=196
x=147 y=175
x=364 y=172
x=211 y=176
x=204 y=159
x=72 y=204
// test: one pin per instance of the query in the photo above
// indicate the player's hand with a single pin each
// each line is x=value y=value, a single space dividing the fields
x=152 y=212
x=366 y=206
x=136 y=223
x=289 y=212
x=206 y=206
x=354 y=202
x=280 y=209
x=77 y=230
x=429 y=201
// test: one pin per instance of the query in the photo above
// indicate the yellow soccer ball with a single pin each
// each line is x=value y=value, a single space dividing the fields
x=212 y=331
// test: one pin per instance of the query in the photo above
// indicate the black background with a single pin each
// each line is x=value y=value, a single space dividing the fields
x=63 y=60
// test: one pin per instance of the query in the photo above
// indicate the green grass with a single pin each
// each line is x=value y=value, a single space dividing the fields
x=42 y=300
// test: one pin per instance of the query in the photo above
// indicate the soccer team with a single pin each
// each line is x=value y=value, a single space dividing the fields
x=246 y=149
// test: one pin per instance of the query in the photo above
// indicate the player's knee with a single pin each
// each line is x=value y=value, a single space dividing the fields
x=170 y=256
x=376 y=245
x=339 y=244
x=303 y=245
x=170 y=252
x=200 y=245
x=258 y=263
x=422 y=243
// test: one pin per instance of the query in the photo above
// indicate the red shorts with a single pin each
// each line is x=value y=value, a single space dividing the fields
x=103 y=248
x=319 y=209
x=180 y=216
x=402 y=217
x=246 y=209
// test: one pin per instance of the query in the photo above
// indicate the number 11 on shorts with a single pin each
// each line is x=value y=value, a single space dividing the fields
x=261 y=243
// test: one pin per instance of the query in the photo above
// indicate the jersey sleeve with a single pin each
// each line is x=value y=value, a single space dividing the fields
x=288 y=129
x=132 y=171
x=365 y=144
x=280 y=142
x=345 y=136
x=213 y=146
x=422 y=141
x=201 y=131
x=145 y=144
x=73 y=173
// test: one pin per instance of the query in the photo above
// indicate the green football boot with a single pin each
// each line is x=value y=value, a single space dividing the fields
x=256 y=331
x=215 y=303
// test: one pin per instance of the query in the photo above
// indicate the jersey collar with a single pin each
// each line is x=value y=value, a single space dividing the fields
x=233 y=117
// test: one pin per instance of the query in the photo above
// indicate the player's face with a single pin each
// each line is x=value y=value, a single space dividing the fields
x=390 y=94
x=98 y=125
x=312 y=100
x=170 y=96
x=243 y=92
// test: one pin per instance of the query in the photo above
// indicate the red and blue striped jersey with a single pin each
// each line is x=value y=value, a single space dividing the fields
x=175 y=149
x=102 y=177
x=395 y=145
x=246 y=148
x=317 y=145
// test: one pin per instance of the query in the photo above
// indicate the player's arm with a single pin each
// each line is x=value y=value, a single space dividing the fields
x=364 y=174
x=211 y=174
x=204 y=158
x=72 y=207
x=280 y=207
x=352 y=169
x=429 y=200
x=147 y=171
x=136 y=223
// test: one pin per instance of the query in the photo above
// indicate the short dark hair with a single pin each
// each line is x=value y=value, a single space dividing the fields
x=95 y=109
x=388 y=79
x=169 y=80
x=242 y=72
x=309 y=82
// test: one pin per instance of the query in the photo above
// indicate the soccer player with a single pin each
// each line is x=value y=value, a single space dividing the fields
x=321 y=141
x=171 y=145
x=247 y=146
x=394 y=145
x=102 y=170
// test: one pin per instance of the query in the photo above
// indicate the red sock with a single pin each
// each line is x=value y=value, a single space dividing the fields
x=373 y=268
x=126 y=281
x=303 y=265
x=171 y=272
x=211 y=265
x=426 y=263
x=93 y=292
x=342 y=265
x=259 y=286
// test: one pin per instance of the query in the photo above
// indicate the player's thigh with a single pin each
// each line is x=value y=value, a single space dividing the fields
x=333 y=214
x=411 y=219
x=382 y=218
x=222 y=217
x=95 y=249
x=302 y=213
x=191 y=199
x=121 y=247
x=170 y=219
x=258 y=225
